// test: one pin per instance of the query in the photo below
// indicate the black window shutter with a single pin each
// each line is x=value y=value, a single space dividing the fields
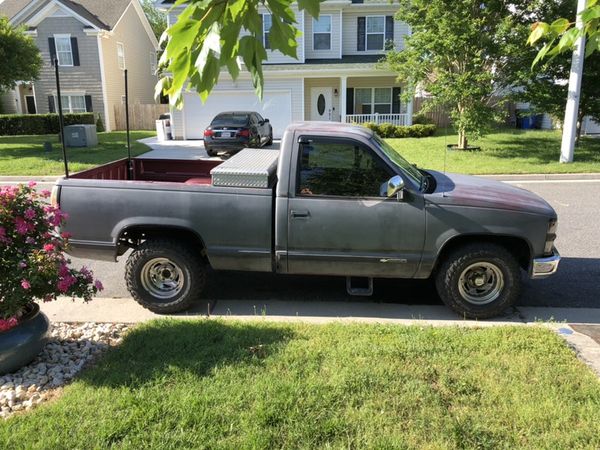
x=51 y=107
x=88 y=103
x=75 y=50
x=389 y=28
x=350 y=101
x=360 y=33
x=52 y=47
x=396 y=100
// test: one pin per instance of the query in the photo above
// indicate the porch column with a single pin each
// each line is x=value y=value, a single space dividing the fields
x=343 y=88
x=409 y=112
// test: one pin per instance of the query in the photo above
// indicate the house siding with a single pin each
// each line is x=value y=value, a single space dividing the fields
x=294 y=85
x=8 y=102
x=336 y=26
x=350 y=18
x=84 y=78
x=132 y=34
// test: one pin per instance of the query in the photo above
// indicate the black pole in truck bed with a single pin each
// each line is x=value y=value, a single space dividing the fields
x=61 y=123
x=129 y=166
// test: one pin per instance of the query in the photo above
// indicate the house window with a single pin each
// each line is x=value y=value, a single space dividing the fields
x=267 y=22
x=152 y=63
x=322 y=33
x=64 y=52
x=373 y=100
x=72 y=103
x=375 y=35
x=121 y=55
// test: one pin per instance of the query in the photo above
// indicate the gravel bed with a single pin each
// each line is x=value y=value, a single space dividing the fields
x=69 y=349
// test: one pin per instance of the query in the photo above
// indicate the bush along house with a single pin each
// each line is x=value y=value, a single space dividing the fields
x=94 y=42
x=334 y=78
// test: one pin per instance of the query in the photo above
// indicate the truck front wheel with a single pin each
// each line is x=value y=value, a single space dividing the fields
x=164 y=276
x=479 y=281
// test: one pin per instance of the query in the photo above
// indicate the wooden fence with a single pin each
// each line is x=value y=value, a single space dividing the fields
x=141 y=116
x=439 y=117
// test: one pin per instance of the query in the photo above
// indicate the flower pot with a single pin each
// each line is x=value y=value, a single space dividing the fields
x=21 y=344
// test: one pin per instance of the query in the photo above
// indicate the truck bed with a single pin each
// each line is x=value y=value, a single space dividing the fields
x=165 y=170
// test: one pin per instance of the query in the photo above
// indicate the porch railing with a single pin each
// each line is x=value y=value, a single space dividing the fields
x=395 y=119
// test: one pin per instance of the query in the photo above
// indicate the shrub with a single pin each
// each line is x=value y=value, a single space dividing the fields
x=422 y=119
x=25 y=124
x=100 y=125
x=388 y=130
x=33 y=265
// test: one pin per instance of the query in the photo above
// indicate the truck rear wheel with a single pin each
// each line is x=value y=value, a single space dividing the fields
x=479 y=281
x=164 y=276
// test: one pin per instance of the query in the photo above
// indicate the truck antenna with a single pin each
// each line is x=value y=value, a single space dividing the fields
x=445 y=152
x=61 y=122
x=129 y=166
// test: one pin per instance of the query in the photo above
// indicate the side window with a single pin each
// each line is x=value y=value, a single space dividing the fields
x=258 y=117
x=342 y=168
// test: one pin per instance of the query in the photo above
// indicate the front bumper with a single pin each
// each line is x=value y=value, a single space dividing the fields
x=546 y=266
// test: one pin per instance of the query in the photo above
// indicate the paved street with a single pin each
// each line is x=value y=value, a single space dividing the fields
x=577 y=284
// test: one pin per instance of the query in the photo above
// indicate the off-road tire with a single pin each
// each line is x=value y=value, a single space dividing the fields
x=448 y=275
x=192 y=267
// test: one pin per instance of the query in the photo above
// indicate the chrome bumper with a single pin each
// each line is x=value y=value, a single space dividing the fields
x=546 y=266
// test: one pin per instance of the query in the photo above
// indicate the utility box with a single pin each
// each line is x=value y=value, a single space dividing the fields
x=81 y=136
x=250 y=168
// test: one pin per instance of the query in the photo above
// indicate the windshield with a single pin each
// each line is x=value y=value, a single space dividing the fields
x=230 y=120
x=393 y=155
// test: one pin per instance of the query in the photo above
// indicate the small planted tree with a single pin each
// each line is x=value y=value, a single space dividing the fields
x=460 y=52
x=20 y=56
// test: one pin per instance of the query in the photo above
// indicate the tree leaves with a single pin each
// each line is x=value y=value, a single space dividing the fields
x=21 y=60
x=215 y=35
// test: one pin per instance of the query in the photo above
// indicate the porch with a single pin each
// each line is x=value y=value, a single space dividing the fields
x=356 y=99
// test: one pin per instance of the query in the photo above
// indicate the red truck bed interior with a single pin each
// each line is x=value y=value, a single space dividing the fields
x=166 y=170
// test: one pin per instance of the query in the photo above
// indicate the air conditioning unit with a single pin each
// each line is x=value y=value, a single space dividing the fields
x=81 y=136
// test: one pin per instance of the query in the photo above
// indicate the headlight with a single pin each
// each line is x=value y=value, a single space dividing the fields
x=550 y=236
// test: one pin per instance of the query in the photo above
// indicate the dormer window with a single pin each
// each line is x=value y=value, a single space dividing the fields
x=322 y=33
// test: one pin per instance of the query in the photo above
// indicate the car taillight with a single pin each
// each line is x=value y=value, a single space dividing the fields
x=244 y=133
x=209 y=132
x=55 y=196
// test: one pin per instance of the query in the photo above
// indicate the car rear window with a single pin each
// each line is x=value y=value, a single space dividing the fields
x=236 y=120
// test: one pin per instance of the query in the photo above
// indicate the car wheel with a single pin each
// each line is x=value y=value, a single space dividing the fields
x=164 y=276
x=479 y=281
x=211 y=152
x=270 y=141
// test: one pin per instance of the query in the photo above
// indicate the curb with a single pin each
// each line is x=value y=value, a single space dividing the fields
x=23 y=178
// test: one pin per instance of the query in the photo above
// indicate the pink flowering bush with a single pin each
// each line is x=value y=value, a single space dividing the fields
x=32 y=263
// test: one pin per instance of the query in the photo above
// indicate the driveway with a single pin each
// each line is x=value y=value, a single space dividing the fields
x=192 y=149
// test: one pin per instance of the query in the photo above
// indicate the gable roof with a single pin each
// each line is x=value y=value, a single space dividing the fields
x=103 y=13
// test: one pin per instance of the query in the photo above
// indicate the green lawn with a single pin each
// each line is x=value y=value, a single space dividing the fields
x=509 y=151
x=232 y=385
x=24 y=155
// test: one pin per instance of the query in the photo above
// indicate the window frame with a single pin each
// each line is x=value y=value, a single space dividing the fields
x=265 y=33
x=372 y=103
x=383 y=163
x=153 y=62
x=58 y=37
x=121 y=57
x=330 y=33
x=69 y=97
x=367 y=33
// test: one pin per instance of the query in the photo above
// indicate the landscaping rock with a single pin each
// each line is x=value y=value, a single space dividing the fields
x=69 y=349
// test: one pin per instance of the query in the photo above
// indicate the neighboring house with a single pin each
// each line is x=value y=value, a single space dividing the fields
x=94 y=40
x=335 y=76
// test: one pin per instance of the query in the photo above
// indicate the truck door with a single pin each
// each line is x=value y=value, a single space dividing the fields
x=340 y=221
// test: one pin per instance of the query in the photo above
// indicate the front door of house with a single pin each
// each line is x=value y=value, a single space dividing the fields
x=30 y=101
x=321 y=107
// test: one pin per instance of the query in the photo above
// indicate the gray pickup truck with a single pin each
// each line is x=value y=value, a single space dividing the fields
x=335 y=200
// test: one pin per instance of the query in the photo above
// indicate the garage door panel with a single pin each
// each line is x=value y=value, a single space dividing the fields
x=276 y=106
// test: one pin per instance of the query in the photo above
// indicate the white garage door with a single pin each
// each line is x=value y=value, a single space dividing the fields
x=275 y=106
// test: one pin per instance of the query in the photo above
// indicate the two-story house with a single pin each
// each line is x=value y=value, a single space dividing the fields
x=94 y=41
x=334 y=78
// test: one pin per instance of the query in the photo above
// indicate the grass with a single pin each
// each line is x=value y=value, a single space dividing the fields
x=221 y=385
x=509 y=151
x=25 y=155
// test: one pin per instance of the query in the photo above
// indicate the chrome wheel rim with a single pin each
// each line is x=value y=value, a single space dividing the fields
x=481 y=283
x=162 y=278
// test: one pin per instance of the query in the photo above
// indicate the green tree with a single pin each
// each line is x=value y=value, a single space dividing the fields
x=19 y=54
x=157 y=18
x=213 y=34
x=560 y=35
x=463 y=53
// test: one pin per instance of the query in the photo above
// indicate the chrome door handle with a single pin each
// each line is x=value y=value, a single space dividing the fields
x=299 y=214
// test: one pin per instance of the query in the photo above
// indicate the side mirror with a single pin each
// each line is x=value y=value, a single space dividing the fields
x=395 y=186
x=266 y=121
